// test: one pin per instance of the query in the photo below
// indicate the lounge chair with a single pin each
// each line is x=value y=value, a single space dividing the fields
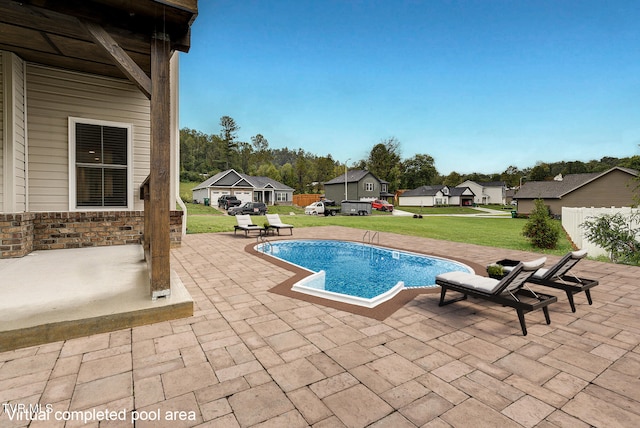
x=244 y=223
x=558 y=276
x=276 y=223
x=509 y=291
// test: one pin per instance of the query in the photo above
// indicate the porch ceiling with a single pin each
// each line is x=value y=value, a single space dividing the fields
x=53 y=32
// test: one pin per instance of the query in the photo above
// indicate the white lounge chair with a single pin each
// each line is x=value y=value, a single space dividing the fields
x=276 y=223
x=244 y=223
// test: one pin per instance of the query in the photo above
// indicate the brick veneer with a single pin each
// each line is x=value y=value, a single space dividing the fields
x=21 y=233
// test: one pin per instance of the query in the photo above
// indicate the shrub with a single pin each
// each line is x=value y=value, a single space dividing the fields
x=614 y=233
x=541 y=230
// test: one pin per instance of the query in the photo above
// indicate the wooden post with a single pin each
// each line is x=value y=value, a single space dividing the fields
x=160 y=181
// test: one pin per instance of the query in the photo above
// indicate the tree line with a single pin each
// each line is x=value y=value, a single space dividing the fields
x=202 y=155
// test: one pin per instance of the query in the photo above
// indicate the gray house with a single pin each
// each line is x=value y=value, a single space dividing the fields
x=356 y=184
x=245 y=187
x=612 y=188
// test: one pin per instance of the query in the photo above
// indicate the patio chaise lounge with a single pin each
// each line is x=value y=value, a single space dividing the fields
x=244 y=223
x=276 y=223
x=509 y=291
x=558 y=276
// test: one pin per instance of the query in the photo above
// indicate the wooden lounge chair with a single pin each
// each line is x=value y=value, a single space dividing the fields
x=276 y=223
x=244 y=223
x=558 y=276
x=509 y=291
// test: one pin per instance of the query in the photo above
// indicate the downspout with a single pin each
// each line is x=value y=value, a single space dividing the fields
x=174 y=64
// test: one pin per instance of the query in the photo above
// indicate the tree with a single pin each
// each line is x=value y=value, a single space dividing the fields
x=511 y=176
x=540 y=172
x=261 y=149
x=614 y=233
x=228 y=135
x=453 y=179
x=383 y=157
x=541 y=230
x=417 y=171
x=384 y=161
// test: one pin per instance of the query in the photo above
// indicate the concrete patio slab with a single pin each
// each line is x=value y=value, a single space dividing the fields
x=249 y=357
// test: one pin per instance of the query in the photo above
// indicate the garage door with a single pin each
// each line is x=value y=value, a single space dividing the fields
x=214 y=197
x=244 y=196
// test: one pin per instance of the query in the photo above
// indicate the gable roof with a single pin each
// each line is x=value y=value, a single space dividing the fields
x=433 y=191
x=353 y=176
x=555 y=189
x=424 y=190
x=232 y=178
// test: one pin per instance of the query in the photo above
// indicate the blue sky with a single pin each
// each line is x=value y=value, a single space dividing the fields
x=478 y=85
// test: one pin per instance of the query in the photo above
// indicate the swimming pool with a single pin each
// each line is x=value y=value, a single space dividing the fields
x=357 y=273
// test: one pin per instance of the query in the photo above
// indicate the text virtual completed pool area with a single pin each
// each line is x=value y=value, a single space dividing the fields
x=357 y=273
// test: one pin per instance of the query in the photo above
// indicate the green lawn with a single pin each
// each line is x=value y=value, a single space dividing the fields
x=494 y=232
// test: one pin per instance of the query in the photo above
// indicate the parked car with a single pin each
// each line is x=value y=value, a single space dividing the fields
x=381 y=205
x=253 y=208
x=227 y=201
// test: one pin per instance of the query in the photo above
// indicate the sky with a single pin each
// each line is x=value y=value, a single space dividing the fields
x=479 y=85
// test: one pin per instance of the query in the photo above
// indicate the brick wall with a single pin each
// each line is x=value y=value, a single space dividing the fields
x=16 y=234
x=24 y=232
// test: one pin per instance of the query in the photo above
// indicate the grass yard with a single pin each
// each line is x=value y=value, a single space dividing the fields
x=494 y=232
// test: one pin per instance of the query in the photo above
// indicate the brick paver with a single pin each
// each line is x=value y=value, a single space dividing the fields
x=249 y=357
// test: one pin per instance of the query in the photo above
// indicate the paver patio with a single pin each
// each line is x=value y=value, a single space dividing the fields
x=249 y=357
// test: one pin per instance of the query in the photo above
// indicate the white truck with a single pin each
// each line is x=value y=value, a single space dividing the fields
x=321 y=208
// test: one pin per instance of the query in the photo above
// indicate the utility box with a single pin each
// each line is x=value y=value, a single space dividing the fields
x=356 y=207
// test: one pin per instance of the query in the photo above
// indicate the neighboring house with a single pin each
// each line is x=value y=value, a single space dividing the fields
x=244 y=187
x=437 y=195
x=85 y=88
x=493 y=192
x=612 y=188
x=356 y=184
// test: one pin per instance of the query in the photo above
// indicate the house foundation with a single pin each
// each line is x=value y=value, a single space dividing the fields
x=22 y=233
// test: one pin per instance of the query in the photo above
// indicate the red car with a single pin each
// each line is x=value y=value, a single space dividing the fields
x=381 y=205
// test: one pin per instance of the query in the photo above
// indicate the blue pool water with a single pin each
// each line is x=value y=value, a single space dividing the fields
x=361 y=270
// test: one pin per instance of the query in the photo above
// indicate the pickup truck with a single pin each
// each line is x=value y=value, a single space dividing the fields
x=321 y=207
x=228 y=201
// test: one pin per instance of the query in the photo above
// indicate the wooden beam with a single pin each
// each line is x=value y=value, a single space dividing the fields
x=123 y=61
x=160 y=177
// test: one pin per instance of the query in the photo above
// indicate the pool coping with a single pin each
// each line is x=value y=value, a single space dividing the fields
x=379 y=312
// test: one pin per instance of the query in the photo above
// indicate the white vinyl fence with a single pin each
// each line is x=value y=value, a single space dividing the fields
x=572 y=218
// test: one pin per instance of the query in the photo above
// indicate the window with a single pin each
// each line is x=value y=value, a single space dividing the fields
x=100 y=164
x=368 y=187
x=281 y=197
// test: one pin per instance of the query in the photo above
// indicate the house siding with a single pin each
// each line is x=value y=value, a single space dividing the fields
x=13 y=167
x=53 y=96
x=614 y=189
x=355 y=191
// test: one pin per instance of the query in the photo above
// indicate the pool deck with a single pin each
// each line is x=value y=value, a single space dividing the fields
x=249 y=357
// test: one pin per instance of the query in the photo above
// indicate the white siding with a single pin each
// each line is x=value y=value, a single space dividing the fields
x=53 y=95
x=12 y=134
x=416 y=201
x=19 y=137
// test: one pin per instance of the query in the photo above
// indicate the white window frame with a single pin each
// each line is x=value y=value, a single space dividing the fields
x=72 y=163
x=282 y=197
x=369 y=186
